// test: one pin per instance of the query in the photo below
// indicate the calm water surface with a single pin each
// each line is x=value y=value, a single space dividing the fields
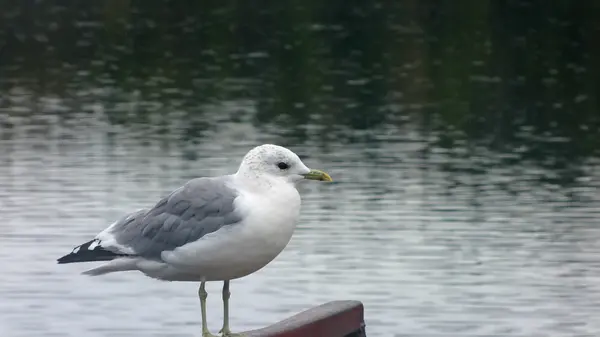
x=427 y=251
x=464 y=144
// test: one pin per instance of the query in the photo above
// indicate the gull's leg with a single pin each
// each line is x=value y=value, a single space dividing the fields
x=203 y=295
x=225 y=330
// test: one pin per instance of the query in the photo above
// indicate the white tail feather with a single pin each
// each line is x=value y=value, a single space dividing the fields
x=122 y=264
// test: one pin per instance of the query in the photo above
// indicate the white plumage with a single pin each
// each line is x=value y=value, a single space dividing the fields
x=210 y=229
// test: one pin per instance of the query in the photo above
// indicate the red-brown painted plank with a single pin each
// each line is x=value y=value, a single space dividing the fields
x=332 y=319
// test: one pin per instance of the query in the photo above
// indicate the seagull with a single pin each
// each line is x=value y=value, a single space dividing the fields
x=210 y=229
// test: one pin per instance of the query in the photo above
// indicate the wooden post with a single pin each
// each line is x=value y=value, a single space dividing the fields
x=332 y=319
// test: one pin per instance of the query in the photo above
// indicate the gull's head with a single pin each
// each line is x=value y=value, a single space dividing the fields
x=276 y=162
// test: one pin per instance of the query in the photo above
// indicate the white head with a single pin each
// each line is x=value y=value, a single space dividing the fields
x=276 y=162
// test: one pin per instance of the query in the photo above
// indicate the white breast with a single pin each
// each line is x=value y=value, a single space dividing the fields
x=236 y=251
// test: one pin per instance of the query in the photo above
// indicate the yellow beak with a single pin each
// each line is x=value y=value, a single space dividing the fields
x=318 y=175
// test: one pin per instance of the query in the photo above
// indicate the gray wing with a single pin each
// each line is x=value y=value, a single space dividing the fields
x=200 y=207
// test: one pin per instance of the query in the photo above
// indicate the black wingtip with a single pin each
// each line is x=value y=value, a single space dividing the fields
x=83 y=253
x=75 y=257
x=64 y=259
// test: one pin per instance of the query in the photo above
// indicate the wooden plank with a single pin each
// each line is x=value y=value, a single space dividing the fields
x=332 y=319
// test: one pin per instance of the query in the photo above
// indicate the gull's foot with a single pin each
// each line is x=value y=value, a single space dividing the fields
x=208 y=334
x=228 y=333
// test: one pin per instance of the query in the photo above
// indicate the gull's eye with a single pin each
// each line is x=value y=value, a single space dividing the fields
x=282 y=165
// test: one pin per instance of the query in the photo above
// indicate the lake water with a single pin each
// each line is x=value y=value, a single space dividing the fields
x=465 y=203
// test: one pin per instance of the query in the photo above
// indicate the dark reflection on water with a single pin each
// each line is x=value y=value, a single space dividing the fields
x=463 y=140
